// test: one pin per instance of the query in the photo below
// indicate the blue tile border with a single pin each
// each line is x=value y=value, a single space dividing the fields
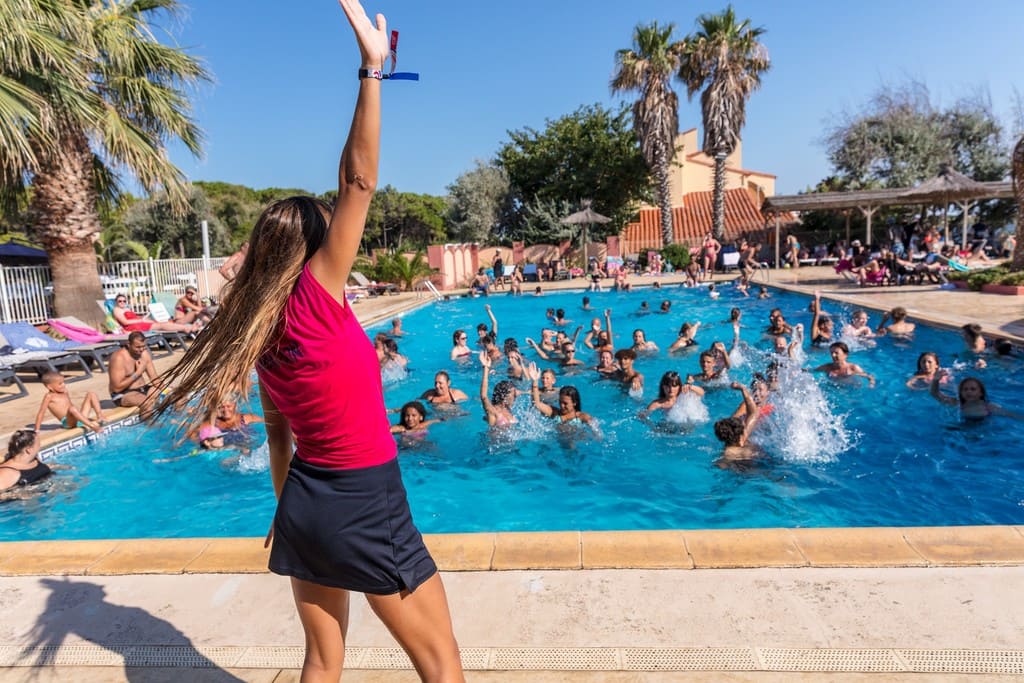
x=77 y=442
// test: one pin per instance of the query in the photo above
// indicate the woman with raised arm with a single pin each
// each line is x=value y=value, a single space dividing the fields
x=343 y=522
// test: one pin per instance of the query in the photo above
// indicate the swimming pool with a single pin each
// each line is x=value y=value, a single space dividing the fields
x=840 y=455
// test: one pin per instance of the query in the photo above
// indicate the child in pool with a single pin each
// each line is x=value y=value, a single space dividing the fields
x=58 y=401
x=972 y=399
x=840 y=367
x=630 y=378
x=687 y=337
x=413 y=419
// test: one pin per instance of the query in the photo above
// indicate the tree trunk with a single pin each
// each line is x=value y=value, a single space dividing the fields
x=718 y=214
x=1018 y=194
x=661 y=173
x=64 y=217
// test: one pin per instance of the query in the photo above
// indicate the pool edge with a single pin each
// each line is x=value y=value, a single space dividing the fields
x=857 y=547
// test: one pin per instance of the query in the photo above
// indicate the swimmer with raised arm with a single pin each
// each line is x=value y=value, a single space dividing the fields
x=687 y=339
x=568 y=410
x=899 y=327
x=497 y=408
x=734 y=432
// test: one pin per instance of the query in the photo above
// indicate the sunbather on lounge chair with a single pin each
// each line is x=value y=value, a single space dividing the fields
x=132 y=322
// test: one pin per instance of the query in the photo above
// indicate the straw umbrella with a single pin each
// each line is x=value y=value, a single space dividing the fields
x=949 y=186
x=585 y=217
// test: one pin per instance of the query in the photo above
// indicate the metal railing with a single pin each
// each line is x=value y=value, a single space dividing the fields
x=26 y=292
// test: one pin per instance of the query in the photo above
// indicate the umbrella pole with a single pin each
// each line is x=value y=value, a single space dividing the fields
x=945 y=221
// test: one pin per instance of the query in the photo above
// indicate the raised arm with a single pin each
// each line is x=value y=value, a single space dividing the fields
x=357 y=170
x=494 y=321
x=817 y=314
x=543 y=408
x=934 y=390
x=753 y=412
x=536 y=347
x=608 y=325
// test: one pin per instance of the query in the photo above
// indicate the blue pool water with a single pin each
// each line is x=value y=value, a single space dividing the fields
x=840 y=454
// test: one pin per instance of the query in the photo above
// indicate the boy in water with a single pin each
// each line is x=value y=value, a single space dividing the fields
x=58 y=402
x=630 y=378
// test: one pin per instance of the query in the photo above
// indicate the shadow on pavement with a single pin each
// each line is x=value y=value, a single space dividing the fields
x=79 y=610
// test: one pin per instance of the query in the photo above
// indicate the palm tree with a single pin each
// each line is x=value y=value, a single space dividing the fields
x=1018 y=194
x=648 y=68
x=395 y=267
x=94 y=94
x=725 y=58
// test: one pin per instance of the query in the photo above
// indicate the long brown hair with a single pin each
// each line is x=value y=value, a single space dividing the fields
x=218 y=363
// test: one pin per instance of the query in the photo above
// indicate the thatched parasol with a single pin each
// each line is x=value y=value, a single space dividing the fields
x=585 y=217
x=948 y=186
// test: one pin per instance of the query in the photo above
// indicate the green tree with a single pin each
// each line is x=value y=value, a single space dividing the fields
x=589 y=154
x=89 y=93
x=725 y=59
x=480 y=204
x=159 y=221
x=648 y=68
x=1018 y=195
x=401 y=220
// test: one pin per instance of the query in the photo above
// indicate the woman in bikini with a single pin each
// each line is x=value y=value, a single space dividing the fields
x=21 y=466
x=189 y=308
x=460 y=349
x=687 y=338
x=710 y=249
x=641 y=344
x=443 y=392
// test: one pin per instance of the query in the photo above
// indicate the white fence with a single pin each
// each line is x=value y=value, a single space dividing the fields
x=26 y=292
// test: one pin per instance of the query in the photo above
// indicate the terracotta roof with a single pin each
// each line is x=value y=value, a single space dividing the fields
x=692 y=221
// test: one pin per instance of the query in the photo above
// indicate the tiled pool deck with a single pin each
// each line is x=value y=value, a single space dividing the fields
x=916 y=604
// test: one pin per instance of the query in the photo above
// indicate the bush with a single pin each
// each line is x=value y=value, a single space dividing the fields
x=677 y=254
x=1000 y=275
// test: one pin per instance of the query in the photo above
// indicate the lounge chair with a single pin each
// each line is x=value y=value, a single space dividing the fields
x=29 y=350
x=8 y=377
x=156 y=341
x=530 y=273
x=730 y=261
x=375 y=288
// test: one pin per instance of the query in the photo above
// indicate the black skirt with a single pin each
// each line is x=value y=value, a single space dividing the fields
x=349 y=529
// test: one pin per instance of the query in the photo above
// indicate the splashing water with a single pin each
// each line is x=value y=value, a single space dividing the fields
x=256 y=460
x=392 y=373
x=803 y=426
x=689 y=411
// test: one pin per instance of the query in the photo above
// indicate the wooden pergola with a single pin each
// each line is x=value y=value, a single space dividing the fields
x=870 y=201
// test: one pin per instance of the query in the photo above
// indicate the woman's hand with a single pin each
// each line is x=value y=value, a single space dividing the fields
x=374 y=43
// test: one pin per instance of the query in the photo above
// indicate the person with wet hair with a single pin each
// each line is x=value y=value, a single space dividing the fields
x=21 y=465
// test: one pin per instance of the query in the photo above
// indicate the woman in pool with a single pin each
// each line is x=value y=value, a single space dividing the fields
x=413 y=420
x=973 y=337
x=899 y=327
x=670 y=388
x=858 y=327
x=927 y=366
x=821 y=324
x=568 y=410
x=21 y=466
x=760 y=392
x=343 y=521
x=460 y=346
x=687 y=338
x=641 y=344
x=514 y=358
x=443 y=392
x=497 y=408
x=606 y=366
x=234 y=426
x=777 y=324
x=597 y=338
x=971 y=397
x=840 y=367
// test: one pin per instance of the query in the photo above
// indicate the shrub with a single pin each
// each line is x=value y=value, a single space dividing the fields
x=677 y=254
x=1000 y=275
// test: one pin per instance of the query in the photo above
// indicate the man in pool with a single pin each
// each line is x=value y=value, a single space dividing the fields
x=133 y=378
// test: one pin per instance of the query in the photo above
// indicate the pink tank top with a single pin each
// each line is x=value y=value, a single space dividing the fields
x=323 y=375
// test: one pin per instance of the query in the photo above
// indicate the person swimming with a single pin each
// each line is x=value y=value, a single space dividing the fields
x=971 y=398
x=734 y=431
x=927 y=366
x=670 y=389
x=413 y=420
x=687 y=337
x=840 y=367
x=443 y=393
x=497 y=408
x=568 y=410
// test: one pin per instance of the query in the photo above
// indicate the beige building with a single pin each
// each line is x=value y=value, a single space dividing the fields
x=694 y=171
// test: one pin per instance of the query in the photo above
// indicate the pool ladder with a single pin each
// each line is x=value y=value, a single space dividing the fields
x=429 y=286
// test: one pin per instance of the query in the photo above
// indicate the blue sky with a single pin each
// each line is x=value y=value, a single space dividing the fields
x=279 y=109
